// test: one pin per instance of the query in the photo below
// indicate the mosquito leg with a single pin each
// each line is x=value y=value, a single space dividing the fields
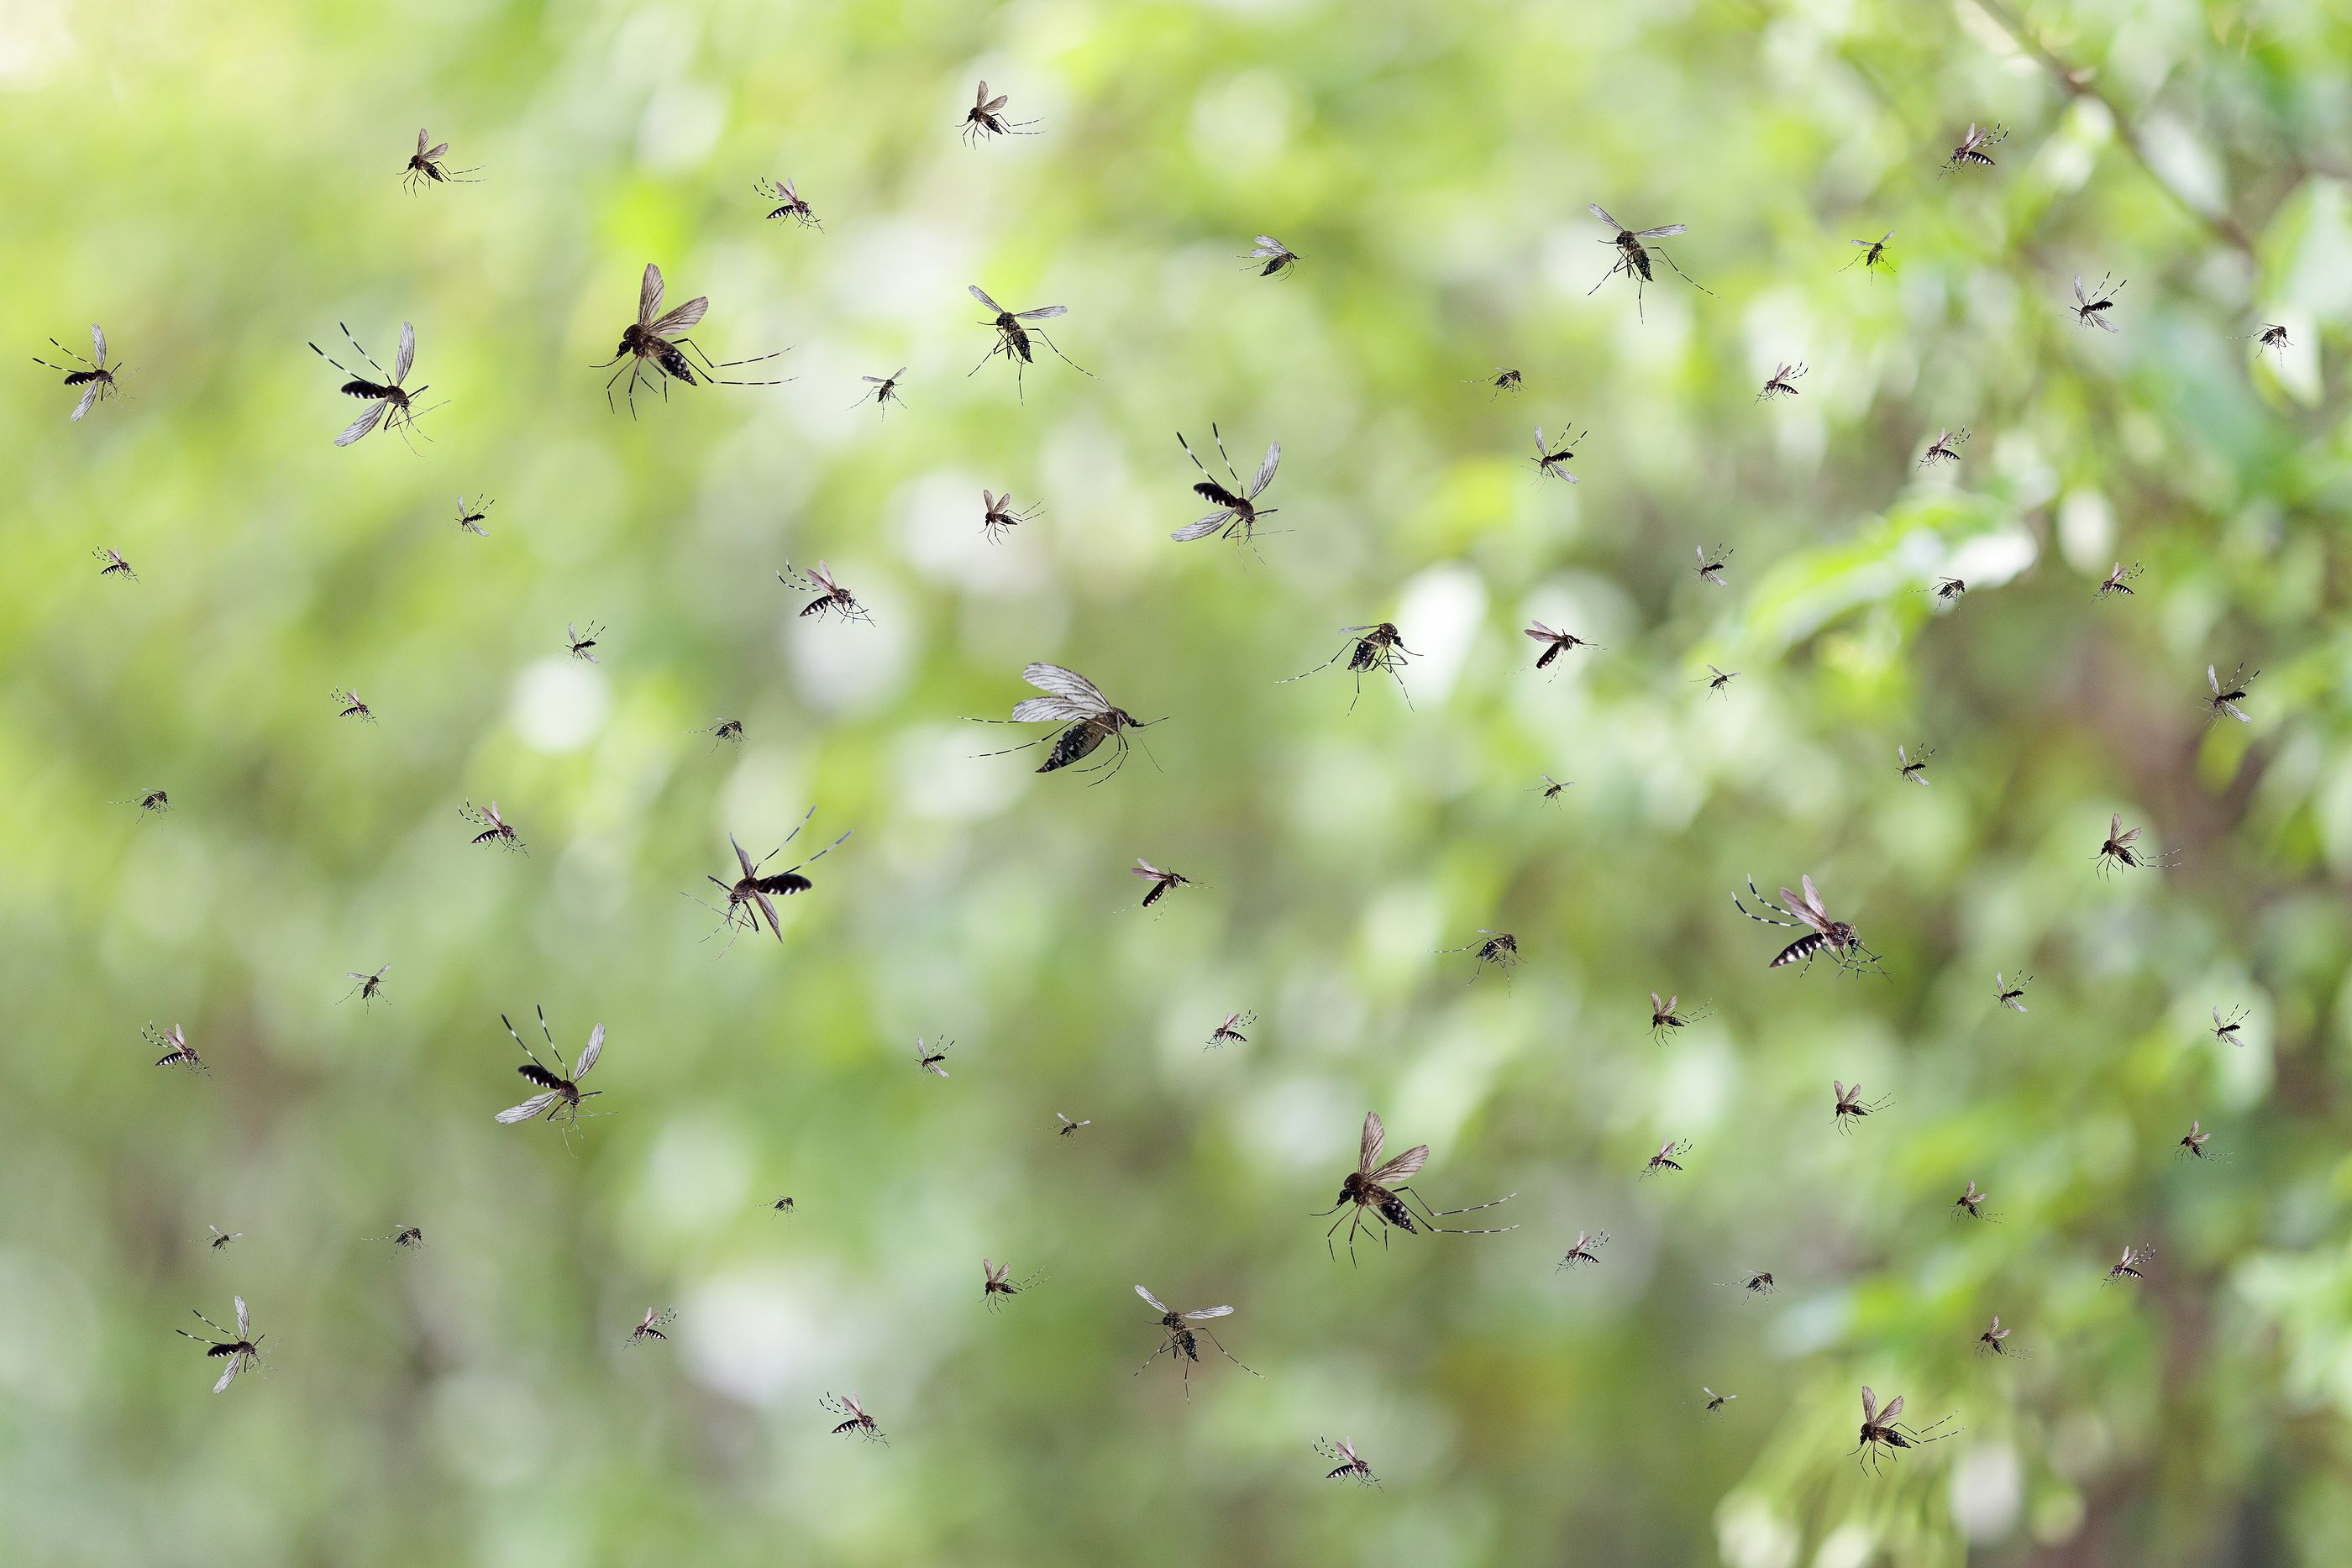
x=1686 y=277
x=1229 y=1355
x=1083 y=372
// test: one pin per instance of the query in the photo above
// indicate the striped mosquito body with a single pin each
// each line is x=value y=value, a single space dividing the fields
x=1634 y=256
x=560 y=1096
x=1013 y=329
x=998 y=517
x=115 y=565
x=2093 y=307
x=1912 y=770
x=654 y=347
x=2192 y=1143
x=348 y=705
x=1499 y=950
x=2119 y=852
x=239 y=1350
x=1555 y=643
x=1873 y=255
x=2226 y=1029
x=2120 y=580
x=852 y=1419
x=1781 y=382
x=1088 y=719
x=2128 y=1266
x=1379 y=646
x=1971 y=148
x=1182 y=1340
x=1551 y=461
x=1161 y=881
x=1669 y=1158
x=471 y=517
x=94 y=376
x=1230 y=1031
x=985 y=118
x=789 y=202
x=1851 y=1107
x=1346 y=1465
x=177 y=1052
x=428 y=166
x=1587 y=1250
x=221 y=1238
x=1946 y=447
x=1882 y=1432
x=1376 y=1192
x=2227 y=696
x=494 y=829
x=884 y=390
x=1237 y=512
x=1712 y=565
x=2008 y=996
x=1836 y=940
x=364 y=987
x=932 y=1059
x=1665 y=1018
x=1271 y=257
x=1068 y=1126
x=650 y=1326
x=152 y=802
x=389 y=403
x=826 y=596
x=752 y=894
x=1714 y=1403
x=995 y=1289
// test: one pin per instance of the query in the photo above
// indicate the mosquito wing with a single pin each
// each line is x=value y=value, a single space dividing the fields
x=1402 y=1166
x=1050 y=710
x=1157 y=1304
x=1266 y=470
x=1541 y=632
x=97 y=343
x=1067 y=684
x=1201 y=529
x=683 y=318
x=742 y=859
x=589 y=1053
x=2080 y=298
x=527 y=1110
x=1145 y=868
x=420 y=142
x=977 y=291
x=352 y=432
x=2212 y=680
x=1671 y=229
x=1869 y=1407
x=89 y=396
x=1603 y=214
x=433 y=153
x=1813 y=901
x=1042 y=313
x=2115 y=826
x=235 y=1365
x=1210 y=1312
x=1894 y=1408
x=404 y=360
x=244 y=1321
x=650 y=295
x=1367 y=1151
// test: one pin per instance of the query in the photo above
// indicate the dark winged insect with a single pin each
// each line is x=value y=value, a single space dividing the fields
x=240 y=1350
x=1089 y=719
x=1230 y=1031
x=1505 y=379
x=2226 y=1029
x=97 y=382
x=1183 y=1342
x=1711 y=568
x=995 y=1288
x=1345 y=1463
x=928 y=1059
x=1551 y=462
x=560 y=1095
x=115 y=565
x=1500 y=950
x=1555 y=643
x=495 y=829
x=1994 y=1339
x=751 y=895
x=1376 y=1191
x=2127 y=1267
x=1946 y=447
x=1971 y=1203
x=1667 y=1158
x=1782 y=382
x=1551 y=787
x=1946 y=589
x=2008 y=996
x=2271 y=336
x=997 y=516
x=348 y=705
x=1971 y=149
x=581 y=645
x=1757 y=1283
x=829 y=598
x=425 y=167
x=650 y=1326
x=2091 y=308
x=1873 y=255
x=2228 y=695
x=364 y=987
x=409 y=1237
x=853 y=1418
x=2120 y=853
x=781 y=1205
x=986 y=118
x=1881 y=1430
x=2192 y=1143
x=1069 y=1126
x=221 y=1238
x=1715 y=1402
x=1633 y=258
x=1664 y=1020
x=1012 y=338
x=154 y=801
x=1852 y=1107
x=387 y=401
x=470 y=519
x=2119 y=580
x=726 y=729
x=789 y=204
x=1161 y=881
x=654 y=344
x=177 y=1052
x=1237 y=509
x=1586 y=1250
x=1835 y=939
x=1376 y=646
x=1277 y=257
x=885 y=391
x=1913 y=769
x=1718 y=682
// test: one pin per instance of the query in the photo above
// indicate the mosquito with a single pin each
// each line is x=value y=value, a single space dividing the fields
x=1873 y=255
x=97 y=382
x=1880 y=1429
x=1376 y=646
x=1503 y=380
x=221 y=1238
x=1664 y=1020
x=1183 y=1343
x=2271 y=336
x=240 y=1351
x=650 y=1326
x=1089 y=719
x=348 y=705
x=1550 y=788
x=495 y=829
x=2192 y=1143
x=1500 y=949
x=1972 y=146
x=1587 y=1250
x=1946 y=447
x=2225 y=699
x=1161 y=881
x=790 y=203
x=1277 y=256
x=424 y=168
x=854 y=1419
x=782 y=1206
x=997 y=517
x=1715 y=1402
x=1551 y=462
x=1346 y=1466
x=153 y=801
x=1377 y=1190
x=1914 y=771
x=115 y=565
x=1711 y=568
x=1782 y=382
x=2006 y=995
x=727 y=731
x=1633 y=258
x=829 y=597
x=2120 y=852
x=751 y=895
x=1757 y=1283
x=2127 y=1267
x=2226 y=1029
x=1069 y=1126
x=177 y=1052
x=986 y=118
x=654 y=345
x=1971 y=1203
x=2119 y=580
x=1994 y=1339
x=560 y=1093
x=364 y=987
x=1237 y=509
x=885 y=391
x=1718 y=682
x=1946 y=589
x=470 y=519
x=1012 y=338
x=2091 y=308
x=387 y=400
x=1555 y=643
x=928 y=1060
x=1667 y=1158
x=409 y=1237
x=1852 y=1107
x=1836 y=939
x=995 y=1288
x=1230 y=1031
x=582 y=645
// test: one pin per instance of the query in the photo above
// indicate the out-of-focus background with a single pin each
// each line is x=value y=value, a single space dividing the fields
x=218 y=185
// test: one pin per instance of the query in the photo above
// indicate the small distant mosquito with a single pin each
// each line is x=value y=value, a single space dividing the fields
x=1586 y=1250
x=727 y=731
x=1503 y=380
x=790 y=203
x=2226 y=1029
x=1555 y=643
x=154 y=801
x=97 y=382
x=1183 y=1345
x=220 y=1237
x=470 y=519
x=1376 y=646
x=560 y=1094
x=2226 y=697
x=1711 y=567
x=928 y=1060
x=1551 y=462
x=1994 y=1339
x=1633 y=258
x=1757 y=1283
x=1971 y=1203
x=1912 y=770
x=1880 y=1429
x=1835 y=939
x=2127 y=1267
x=2192 y=1143
x=240 y=1351
x=1852 y=1107
x=409 y=1237
x=348 y=705
x=1069 y=1126
x=1277 y=256
x=387 y=400
x=495 y=829
x=2119 y=580
x=1090 y=718
x=1500 y=949
x=1237 y=510
x=424 y=168
x=751 y=895
x=2119 y=852
x=115 y=565
x=829 y=597
x=581 y=645
x=1718 y=682
x=1377 y=1190
x=1346 y=1466
x=2091 y=308
x=654 y=345
x=1664 y=1020
x=986 y=118
x=782 y=1206
x=177 y=1052
x=1668 y=1156
x=1230 y=1031
x=995 y=1288
x=885 y=391
x=2006 y=995
x=1972 y=146
x=1947 y=589
x=854 y=1419
x=1161 y=881
x=997 y=517
x=1782 y=382
x=1946 y=447
x=365 y=986
x=1012 y=338
x=1715 y=1402
x=2271 y=336
x=1873 y=255
x=651 y=1325
x=1550 y=788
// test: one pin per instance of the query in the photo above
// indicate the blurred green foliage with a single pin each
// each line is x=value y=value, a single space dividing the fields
x=218 y=185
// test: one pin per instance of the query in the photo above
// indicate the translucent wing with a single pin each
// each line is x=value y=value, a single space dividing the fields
x=1541 y=632
x=1050 y=710
x=402 y=362
x=742 y=859
x=1210 y=1312
x=1271 y=243
x=1840 y=1087
x=2115 y=825
x=89 y=396
x=1067 y=684
x=1869 y=1406
x=594 y=1048
x=1894 y=1408
x=684 y=317
x=1043 y=312
x=528 y=1109
x=1666 y=232
x=1158 y=1305
x=235 y=1364
x=1603 y=214
x=649 y=294
x=1265 y=469
x=2080 y=298
x=1145 y=868
x=1201 y=529
x=98 y=342
x=1864 y=243
x=979 y=99
x=433 y=153
x=1813 y=899
x=2212 y=680
x=978 y=292
x=357 y=427
x=420 y=140
x=1367 y=1151
x=244 y=1321
x=1404 y=1165
x=1656 y=1005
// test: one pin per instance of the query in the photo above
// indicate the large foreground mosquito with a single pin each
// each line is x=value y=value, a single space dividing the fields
x=1633 y=258
x=1376 y=646
x=986 y=118
x=1012 y=338
x=1873 y=255
x=828 y=597
x=97 y=382
x=387 y=400
x=2127 y=1267
x=1782 y=381
x=790 y=203
x=1836 y=940
x=1550 y=460
x=177 y=1052
x=997 y=517
x=1161 y=881
x=1669 y=1157
x=471 y=517
x=1664 y=1020
x=1587 y=1250
x=1499 y=950
x=2228 y=695
x=1946 y=447
x=1376 y=1190
x=1230 y=1031
x=1880 y=1429
x=1237 y=509
x=1711 y=568
x=1277 y=257
x=495 y=829
x=1183 y=1342
x=2008 y=996
x=425 y=167
x=1089 y=719
x=1555 y=643
x=240 y=1350
x=995 y=1288
x=884 y=390
x=650 y=1326
x=1345 y=1463
x=115 y=565
x=154 y=802
x=2090 y=307
x=1971 y=148
x=2226 y=1029
x=364 y=987
x=751 y=895
x=654 y=345
x=853 y=1418
x=560 y=1093
x=2120 y=580
x=1852 y=1107
x=1912 y=770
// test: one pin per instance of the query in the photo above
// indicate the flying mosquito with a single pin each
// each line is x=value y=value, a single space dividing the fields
x=580 y=644
x=654 y=345
x=115 y=565
x=425 y=167
x=1237 y=509
x=1069 y=1126
x=1715 y=1402
x=240 y=1351
x=1503 y=380
x=885 y=391
x=790 y=203
x=1551 y=462
x=727 y=730
x=2006 y=995
x=1667 y=1158
x=2226 y=1029
x=153 y=801
x=1633 y=258
x=560 y=1093
x=2271 y=336
x=2119 y=580
x=1912 y=770
x=1757 y=1283
x=1555 y=643
x=1971 y=1203
x=1946 y=589
x=495 y=829
x=1718 y=682
x=1074 y=702
x=409 y=1237
x=1994 y=1339
x=782 y=1206
x=1880 y=1429
x=1711 y=568
x=928 y=1060
x=1161 y=881
x=751 y=895
x=1946 y=447
x=1345 y=1463
x=2127 y=1267
x=2226 y=697
x=348 y=705
x=221 y=1238
x=470 y=519
x=1012 y=338
x=1852 y=1107
x=1500 y=949
x=1664 y=1020
x=1278 y=258
x=2192 y=1143
x=854 y=1419
x=96 y=380
x=1835 y=939
x=986 y=118
x=2091 y=308
x=1230 y=1031
x=386 y=399
x=364 y=987
x=1972 y=146
x=1550 y=788
x=1377 y=1190
x=650 y=1326
x=1873 y=255
x=1587 y=1250
x=1184 y=1343
x=177 y=1052
x=995 y=1288
x=1376 y=646
x=2120 y=852
x=997 y=517
x=1782 y=382
x=830 y=597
